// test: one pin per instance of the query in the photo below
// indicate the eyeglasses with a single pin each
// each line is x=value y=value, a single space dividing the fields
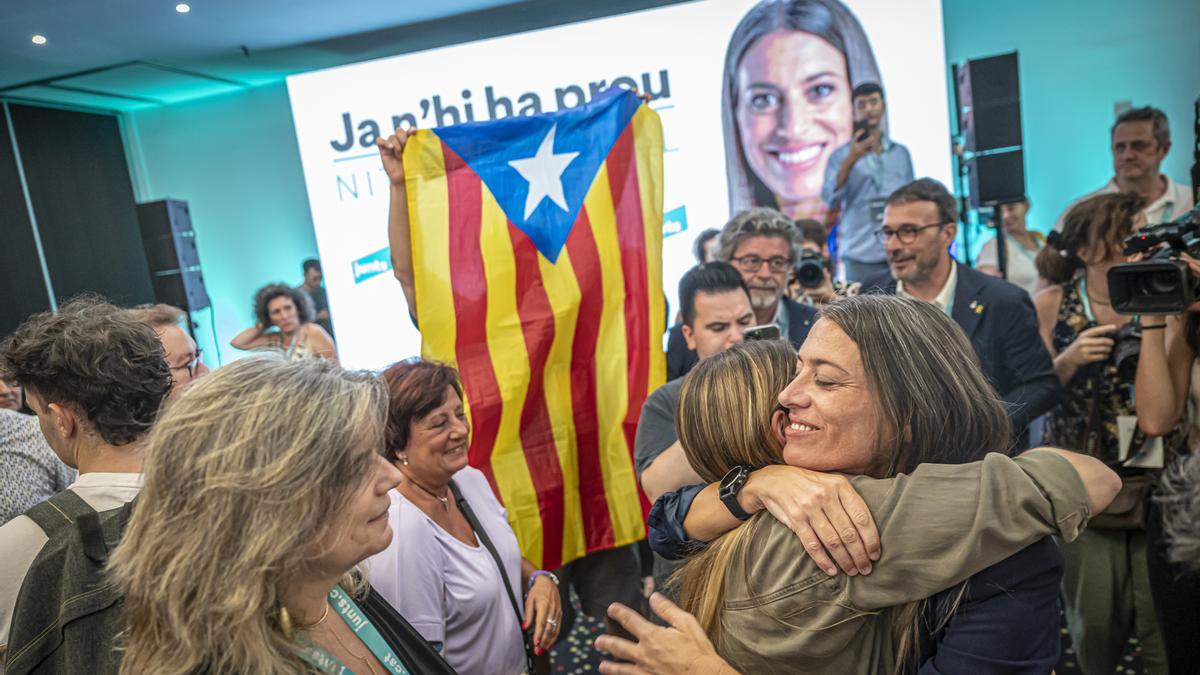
x=191 y=365
x=752 y=263
x=907 y=234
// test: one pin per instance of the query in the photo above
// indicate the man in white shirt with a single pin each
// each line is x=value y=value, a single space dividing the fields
x=96 y=379
x=1141 y=139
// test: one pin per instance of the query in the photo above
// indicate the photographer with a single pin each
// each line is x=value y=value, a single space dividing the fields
x=858 y=179
x=812 y=279
x=1106 y=583
x=1168 y=378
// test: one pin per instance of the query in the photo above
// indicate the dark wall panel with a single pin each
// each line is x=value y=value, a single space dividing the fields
x=83 y=201
x=22 y=287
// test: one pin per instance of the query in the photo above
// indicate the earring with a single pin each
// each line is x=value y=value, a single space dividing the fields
x=404 y=460
x=285 y=623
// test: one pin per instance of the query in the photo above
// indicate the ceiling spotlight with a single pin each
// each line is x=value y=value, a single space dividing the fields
x=183 y=8
x=38 y=39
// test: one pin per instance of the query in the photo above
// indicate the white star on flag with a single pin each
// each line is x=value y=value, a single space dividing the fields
x=544 y=172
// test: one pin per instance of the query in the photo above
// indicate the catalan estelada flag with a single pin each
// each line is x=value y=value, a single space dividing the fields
x=537 y=250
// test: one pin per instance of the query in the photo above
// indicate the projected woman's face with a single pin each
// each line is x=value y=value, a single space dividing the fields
x=793 y=110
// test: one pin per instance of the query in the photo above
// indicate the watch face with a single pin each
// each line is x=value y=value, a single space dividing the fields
x=733 y=479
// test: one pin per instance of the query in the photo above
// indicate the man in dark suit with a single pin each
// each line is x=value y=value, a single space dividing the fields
x=920 y=222
x=763 y=244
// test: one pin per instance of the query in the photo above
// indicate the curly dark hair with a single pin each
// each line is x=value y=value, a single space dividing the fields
x=264 y=296
x=94 y=358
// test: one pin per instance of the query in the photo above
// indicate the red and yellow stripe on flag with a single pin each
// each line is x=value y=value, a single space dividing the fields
x=557 y=352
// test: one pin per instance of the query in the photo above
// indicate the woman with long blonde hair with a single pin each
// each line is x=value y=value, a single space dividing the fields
x=264 y=488
x=884 y=387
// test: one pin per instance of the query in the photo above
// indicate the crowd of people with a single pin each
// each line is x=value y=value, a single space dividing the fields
x=868 y=456
x=956 y=364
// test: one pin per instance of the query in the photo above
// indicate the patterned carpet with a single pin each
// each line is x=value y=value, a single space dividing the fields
x=576 y=655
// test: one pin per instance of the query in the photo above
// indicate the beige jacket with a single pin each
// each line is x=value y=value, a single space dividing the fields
x=937 y=527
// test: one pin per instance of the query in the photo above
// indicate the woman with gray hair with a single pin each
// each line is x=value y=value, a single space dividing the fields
x=264 y=489
x=790 y=68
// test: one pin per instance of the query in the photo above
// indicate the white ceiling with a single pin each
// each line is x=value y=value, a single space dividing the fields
x=177 y=55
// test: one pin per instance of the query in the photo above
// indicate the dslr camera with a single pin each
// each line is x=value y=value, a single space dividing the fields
x=1158 y=285
x=810 y=269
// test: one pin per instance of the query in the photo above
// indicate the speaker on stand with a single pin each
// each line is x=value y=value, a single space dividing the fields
x=989 y=117
x=170 y=245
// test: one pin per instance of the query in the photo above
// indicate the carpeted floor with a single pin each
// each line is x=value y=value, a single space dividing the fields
x=576 y=655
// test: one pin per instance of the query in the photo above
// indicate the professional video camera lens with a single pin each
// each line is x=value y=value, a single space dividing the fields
x=1160 y=283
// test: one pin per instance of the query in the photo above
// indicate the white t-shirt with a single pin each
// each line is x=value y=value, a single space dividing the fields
x=21 y=539
x=451 y=592
x=1021 y=268
x=1174 y=202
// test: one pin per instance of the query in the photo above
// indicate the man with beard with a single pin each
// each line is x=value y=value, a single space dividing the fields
x=920 y=222
x=1140 y=140
x=763 y=245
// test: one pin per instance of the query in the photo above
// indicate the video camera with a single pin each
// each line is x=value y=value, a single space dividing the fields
x=1158 y=285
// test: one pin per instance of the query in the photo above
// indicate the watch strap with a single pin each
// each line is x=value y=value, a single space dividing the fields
x=731 y=485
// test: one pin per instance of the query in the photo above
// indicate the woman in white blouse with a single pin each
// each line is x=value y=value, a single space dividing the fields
x=438 y=572
x=1020 y=244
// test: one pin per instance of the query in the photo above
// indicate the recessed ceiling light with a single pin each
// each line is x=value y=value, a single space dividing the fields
x=183 y=8
x=38 y=39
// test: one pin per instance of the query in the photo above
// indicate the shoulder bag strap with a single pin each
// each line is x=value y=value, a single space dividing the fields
x=487 y=543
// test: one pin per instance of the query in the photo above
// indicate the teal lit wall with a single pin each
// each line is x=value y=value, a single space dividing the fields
x=1077 y=59
x=234 y=157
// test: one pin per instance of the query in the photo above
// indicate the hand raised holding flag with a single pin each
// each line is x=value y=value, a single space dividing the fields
x=391 y=154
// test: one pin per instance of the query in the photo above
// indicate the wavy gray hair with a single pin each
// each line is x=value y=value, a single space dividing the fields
x=1179 y=496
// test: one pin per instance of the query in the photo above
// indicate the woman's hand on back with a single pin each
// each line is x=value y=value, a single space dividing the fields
x=649 y=649
x=829 y=517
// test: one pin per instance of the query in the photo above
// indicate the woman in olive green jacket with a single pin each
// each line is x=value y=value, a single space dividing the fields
x=886 y=389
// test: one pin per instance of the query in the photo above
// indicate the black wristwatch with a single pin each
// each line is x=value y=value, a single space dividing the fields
x=731 y=485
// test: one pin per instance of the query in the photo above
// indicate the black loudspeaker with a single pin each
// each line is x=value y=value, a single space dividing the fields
x=989 y=100
x=170 y=245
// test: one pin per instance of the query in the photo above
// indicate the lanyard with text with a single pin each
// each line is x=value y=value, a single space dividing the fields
x=1087 y=305
x=325 y=662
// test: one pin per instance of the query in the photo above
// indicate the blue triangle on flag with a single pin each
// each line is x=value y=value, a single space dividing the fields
x=578 y=139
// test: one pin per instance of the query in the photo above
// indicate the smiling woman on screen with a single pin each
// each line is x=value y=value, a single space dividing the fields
x=786 y=106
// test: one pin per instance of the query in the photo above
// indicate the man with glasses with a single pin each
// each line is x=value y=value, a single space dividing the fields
x=920 y=222
x=763 y=245
x=183 y=357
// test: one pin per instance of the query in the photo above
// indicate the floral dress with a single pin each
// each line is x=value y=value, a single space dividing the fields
x=1086 y=420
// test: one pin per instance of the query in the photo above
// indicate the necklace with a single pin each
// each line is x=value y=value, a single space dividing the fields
x=1098 y=301
x=361 y=657
x=444 y=500
x=318 y=622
